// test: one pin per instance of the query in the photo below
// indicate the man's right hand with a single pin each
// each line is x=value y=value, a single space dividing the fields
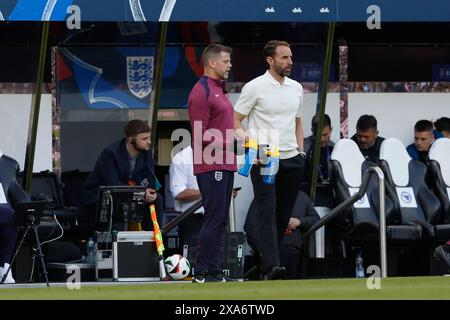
x=293 y=223
x=241 y=136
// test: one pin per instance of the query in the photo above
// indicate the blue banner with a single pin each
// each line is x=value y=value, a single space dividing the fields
x=122 y=77
x=227 y=10
x=441 y=73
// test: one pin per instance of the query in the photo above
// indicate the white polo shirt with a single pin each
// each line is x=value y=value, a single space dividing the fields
x=272 y=107
x=182 y=177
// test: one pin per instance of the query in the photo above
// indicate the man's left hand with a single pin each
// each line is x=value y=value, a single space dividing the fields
x=150 y=195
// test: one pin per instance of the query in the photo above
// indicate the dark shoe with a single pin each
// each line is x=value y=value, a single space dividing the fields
x=440 y=253
x=199 y=278
x=276 y=273
x=219 y=277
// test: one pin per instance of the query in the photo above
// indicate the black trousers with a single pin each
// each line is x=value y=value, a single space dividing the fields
x=271 y=209
x=291 y=261
x=216 y=188
x=190 y=227
x=8 y=234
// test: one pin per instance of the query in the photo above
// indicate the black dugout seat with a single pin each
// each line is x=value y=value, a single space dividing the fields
x=414 y=203
x=439 y=167
x=361 y=221
x=45 y=186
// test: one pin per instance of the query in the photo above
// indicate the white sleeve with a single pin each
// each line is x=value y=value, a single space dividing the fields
x=246 y=100
x=300 y=106
x=178 y=178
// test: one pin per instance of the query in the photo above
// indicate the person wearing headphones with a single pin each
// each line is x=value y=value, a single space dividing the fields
x=126 y=162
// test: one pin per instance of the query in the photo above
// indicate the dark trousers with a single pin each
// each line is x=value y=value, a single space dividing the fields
x=291 y=261
x=8 y=239
x=8 y=234
x=190 y=228
x=271 y=209
x=216 y=188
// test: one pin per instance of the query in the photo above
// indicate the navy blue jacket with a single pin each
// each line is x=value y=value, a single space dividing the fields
x=113 y=169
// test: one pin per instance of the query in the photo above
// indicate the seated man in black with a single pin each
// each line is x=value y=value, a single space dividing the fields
x=326 y=147
x=324 y=195
x=367 y=138
x=126 y=162
x=303 y=216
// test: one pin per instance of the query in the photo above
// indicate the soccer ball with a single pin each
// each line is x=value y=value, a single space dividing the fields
x=177 y=266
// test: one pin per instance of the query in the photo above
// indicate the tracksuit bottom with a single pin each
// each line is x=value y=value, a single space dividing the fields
x=216 y=188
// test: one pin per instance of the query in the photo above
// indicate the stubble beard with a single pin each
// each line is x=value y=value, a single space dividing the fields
x=283 y=72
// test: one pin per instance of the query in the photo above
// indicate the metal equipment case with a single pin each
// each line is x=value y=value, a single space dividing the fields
x=126 y=256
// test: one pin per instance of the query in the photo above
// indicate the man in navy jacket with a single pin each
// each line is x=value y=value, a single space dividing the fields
x=125 y=162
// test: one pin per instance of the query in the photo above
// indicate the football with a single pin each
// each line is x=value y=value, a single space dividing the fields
x=177 y=266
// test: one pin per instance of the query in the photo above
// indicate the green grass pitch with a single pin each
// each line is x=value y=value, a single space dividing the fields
x=391 y=288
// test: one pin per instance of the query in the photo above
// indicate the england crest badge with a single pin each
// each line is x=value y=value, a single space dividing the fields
x=140 y=75
x=218 y=175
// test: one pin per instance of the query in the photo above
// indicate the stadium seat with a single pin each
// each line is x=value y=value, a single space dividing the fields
x=414 y=203
x=439 y=167
x=71 y=182
x=361 y=221
x=45 y=186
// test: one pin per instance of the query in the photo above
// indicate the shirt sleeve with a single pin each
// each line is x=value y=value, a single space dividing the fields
x=246 y=100
x=178 y=177
x=300 y=106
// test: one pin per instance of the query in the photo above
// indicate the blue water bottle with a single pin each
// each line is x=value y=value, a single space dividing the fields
x=251 y=150
x=271 y=169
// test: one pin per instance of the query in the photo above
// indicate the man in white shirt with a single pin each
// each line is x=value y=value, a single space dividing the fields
x=185 y=191
x=273 y=104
